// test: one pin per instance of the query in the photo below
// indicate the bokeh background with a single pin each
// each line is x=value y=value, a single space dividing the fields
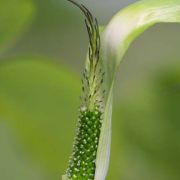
x=43 y=45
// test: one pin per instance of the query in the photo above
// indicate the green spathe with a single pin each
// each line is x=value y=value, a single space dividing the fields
x=122 y=30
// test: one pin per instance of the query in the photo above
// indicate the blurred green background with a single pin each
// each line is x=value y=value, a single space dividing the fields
x=43 y=45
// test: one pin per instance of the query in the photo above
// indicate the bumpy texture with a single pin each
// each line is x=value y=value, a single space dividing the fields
x=82 y=163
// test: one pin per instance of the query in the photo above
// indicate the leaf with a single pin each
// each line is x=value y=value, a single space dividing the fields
x=122 y=30
x=38 y=102
x=15 y=15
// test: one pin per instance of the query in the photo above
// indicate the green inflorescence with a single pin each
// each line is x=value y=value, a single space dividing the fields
x=82 y=163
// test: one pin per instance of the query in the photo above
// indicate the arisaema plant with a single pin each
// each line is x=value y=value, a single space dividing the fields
x=91 y=149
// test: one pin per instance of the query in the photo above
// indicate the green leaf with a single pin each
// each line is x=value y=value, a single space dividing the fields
x=15 y=15
x=117 y=37
x=38 y=102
